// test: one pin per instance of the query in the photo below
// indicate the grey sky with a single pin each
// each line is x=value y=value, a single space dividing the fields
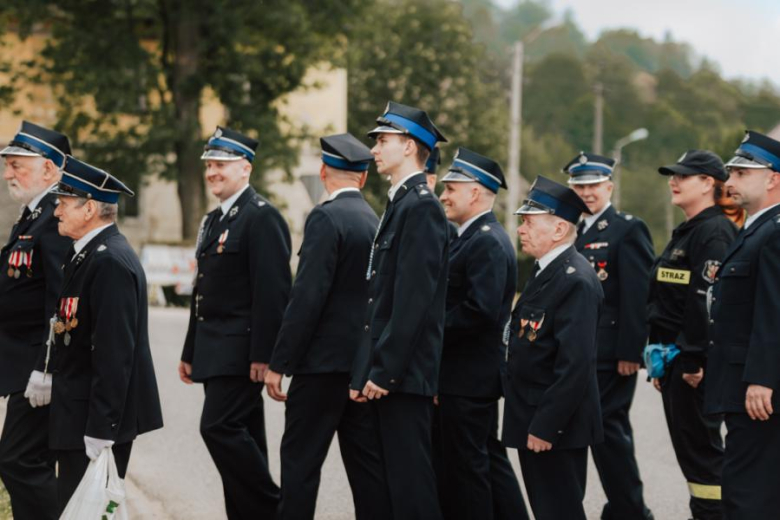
x=741 y=37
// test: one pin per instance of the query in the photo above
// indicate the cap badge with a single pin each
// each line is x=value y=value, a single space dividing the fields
x=745 y=139
x=583 y=159
x=218 y=133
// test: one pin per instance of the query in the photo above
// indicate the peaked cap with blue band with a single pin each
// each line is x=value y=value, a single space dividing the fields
x=345 y=152
x=468 y=166
x=36 y=141
x=229 y=145
x=402 y=119
x=433 y=162
x=589 y=169
x=80 y=179
x=549 y=197
x=756 y=151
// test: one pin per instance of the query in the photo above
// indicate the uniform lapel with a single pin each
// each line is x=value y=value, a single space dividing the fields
x=219 y=227
x=471 y=230
x=405 y=188
x=537 y=284
x=744 y=233
x=72 y=267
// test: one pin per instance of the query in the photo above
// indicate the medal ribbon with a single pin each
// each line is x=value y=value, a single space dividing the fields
x=223 y=237
x=602 y=265
x=536 y=325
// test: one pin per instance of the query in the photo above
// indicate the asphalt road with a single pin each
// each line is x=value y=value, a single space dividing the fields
x=172 y=477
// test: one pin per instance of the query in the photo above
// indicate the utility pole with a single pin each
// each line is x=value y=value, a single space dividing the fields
x=513 y=192
x=598 y=118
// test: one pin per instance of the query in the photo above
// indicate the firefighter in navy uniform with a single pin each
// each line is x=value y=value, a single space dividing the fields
x=104 y=391
x=481 y=287
x=743 y=364
x=677 y=315
x=397 y=366
x=322 y=327
x=552 y=412
x=620 y=249
x=30 y=279
x=239 y=297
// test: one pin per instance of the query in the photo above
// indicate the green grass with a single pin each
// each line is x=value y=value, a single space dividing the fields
x=5 y=504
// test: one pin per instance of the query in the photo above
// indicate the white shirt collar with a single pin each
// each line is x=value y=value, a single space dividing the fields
x=551 y=255
x=397 y=186
x=591 y=219
x=463 y=227
x=82 y=242
x=339 y=191
x=753 y=218
x=38 y=198
x=228 y=203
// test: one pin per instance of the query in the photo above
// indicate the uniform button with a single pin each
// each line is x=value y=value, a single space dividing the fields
x=733 y=269
x=200 y=318
x=202 y=255
x=370 y=301
x=613 y=322
x=712 y=322
x=200 y=297
x=366 y=328
x=392 y=381
x=376 y=246
x=373 y=273
x=200 y=275
x=712 y=342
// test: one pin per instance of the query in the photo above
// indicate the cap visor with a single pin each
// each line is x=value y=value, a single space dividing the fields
x=678 y=169
x=743 y=162
x=453 y=176
x=62 y=193
x=383 y=129
x=589 y=179
x=17 y=150
x=220 y=155
x=527 y=209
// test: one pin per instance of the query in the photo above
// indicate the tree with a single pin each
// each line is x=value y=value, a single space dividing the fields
x=132 y=76
x=422 y=53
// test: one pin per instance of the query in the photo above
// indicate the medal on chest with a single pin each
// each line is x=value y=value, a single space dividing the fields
x=221 y=241
x=533 y=328
x=18 y=259
x=602 y=271
x=67 y=318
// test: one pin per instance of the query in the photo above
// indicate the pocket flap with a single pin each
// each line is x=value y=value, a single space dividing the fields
x=735 y=269
x=386 y=241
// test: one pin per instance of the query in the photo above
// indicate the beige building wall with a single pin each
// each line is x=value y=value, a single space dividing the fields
x=320 y=106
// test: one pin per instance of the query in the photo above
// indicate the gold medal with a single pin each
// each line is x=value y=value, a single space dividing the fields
x=67 y=326
x=73 y=323
x=10 y=272
x=59 y=327
x=220 y=249
x=531 y=335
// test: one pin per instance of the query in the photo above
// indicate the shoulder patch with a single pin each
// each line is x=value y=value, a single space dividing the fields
x=101 y=248
x=485 y=228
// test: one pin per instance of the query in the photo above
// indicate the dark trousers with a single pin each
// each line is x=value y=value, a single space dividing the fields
x=72 y=464
x=475 y=477
x=317 y=407
x=750 y=468
x=696 y=440
x=555 y=482
x=26 y=463
x=614 y=458
x=404 y=425
x=233 y=427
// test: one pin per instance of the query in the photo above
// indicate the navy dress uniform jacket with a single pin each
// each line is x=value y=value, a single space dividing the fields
x=401 y=348
x=27 y=302
x=551 y=386
x=104 y=384
x=480 y=290
x=241 y=289
x=323 y=323
x=744 y=346
x=619 y=247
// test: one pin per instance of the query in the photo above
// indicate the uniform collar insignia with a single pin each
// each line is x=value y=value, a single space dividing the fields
x=233 y=212
x=601 y=225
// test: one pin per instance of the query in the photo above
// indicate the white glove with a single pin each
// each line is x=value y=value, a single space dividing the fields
x=95 y=446
x=38 y=389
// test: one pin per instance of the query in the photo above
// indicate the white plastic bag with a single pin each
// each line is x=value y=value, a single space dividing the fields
x=101 y=493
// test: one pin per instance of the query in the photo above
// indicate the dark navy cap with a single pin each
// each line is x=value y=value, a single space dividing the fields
x=229 y=145
x=589 y=168
x=402 y=119
x=80 y=179
x=549 y=197
x=697 y=162
x=756 y=151
x=468 y=166
x=345 y=152
x=433 y=162
x=36 y=141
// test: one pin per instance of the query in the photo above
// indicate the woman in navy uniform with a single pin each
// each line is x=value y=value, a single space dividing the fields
x=743 y=365
x=239 y=297
x=104 y=390
x=620 y=249
x=677 y=315
x=552 y=412
x=397 y=366
x=322 y=328
x=30 y=280
x=475 y=481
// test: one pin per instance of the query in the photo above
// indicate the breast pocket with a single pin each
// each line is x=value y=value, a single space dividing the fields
x=384 y=246
x=532 y=322
x=735 y=283
x=20 y=258
x=225 y=259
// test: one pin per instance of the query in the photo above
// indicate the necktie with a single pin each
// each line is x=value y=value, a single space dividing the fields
x=580 y=228
x=216 y=217
x=23 y=217
x=536 y=269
